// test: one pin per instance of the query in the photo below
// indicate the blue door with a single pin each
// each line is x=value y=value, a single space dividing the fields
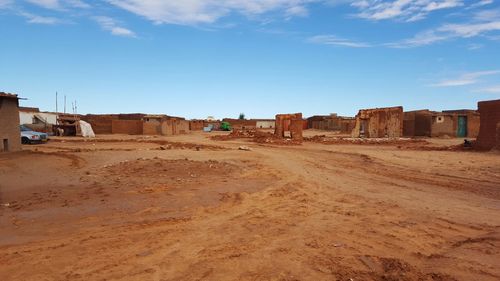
x=462 y=127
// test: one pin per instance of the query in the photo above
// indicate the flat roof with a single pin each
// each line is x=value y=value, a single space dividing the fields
x=8 y=95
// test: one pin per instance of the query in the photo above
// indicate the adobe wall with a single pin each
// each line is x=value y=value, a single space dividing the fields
x=490 y=117
x=103 y=123
x=289 y=122
x=237 y=124
x=443 y=125
x=473 y=124
x=379 y=122
x=9 y=124
x=196 y=125
x=417 y=123
x=182 y=127
x=151 y=126
x=127 y=127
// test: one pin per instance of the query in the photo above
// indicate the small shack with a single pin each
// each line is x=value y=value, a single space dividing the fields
x=489 y=132
x=10 y=134
x=379 y=123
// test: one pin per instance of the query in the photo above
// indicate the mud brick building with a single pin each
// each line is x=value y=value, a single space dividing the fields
x=289 y=122
x=379 y=123
x=451 y=123
x=489 y=132
x=137 y=124
x=10 y=135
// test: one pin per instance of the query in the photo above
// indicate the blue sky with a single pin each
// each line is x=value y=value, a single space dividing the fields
x=195 y=58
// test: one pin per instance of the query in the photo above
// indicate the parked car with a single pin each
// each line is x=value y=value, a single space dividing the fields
x=28 y=136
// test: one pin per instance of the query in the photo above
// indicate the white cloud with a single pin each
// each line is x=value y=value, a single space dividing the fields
x=482 y=23
x=406 y=10
x=336 y=41
x=5 y=3
x=465 y=79
x=490 y=90
x=36 y=19
x=48 y=4
x=59 y=4
x=192 y=12
x=481 y=3
x=112 y=26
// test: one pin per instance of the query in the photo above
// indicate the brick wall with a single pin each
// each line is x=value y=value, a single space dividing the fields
x=9 y=124
x=490 y=117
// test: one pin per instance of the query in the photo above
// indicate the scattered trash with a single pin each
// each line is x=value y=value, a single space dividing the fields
x=245 y=148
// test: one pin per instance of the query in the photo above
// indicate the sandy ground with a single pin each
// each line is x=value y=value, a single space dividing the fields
x=191 y=208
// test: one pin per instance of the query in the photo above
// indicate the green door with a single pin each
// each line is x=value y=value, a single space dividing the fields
x=462 y=127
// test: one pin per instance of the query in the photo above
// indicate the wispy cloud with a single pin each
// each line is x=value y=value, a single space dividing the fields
x=5 y=3
x=406 y=10
x=482 y=23
x=36 y=19
x=465 y=79
x=59 y=4
x=489 y=90
x=336 y=41
x=195 y=12
x=113 y=26
x=480 y=3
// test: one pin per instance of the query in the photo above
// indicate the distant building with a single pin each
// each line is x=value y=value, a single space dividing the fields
x=264 y=123
x=10 y=135
x=239 y=124
x=331 y=122
x=39 y=121
x=379 y=123
x=137 y=124
x=489 y=132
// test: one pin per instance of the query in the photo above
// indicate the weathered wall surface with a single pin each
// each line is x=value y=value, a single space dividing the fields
x=196 y=125
x=265 y=124
x=443 y=125
x=237 y=124
x=127 y=127
x=417 y=123
x=379 y=123
x=473 y=125
x=490 y=118
x=102 y=123
x=9 y=125
x=151 y=126
x=289 y=122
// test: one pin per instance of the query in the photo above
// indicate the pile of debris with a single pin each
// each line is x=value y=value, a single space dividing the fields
x=363 y=141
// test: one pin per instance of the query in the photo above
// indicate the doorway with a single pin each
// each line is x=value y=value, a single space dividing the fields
x=462 y=127
x=5 y=145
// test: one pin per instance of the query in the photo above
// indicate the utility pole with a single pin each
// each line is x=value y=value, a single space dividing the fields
x=64 y=104
x=56 y=101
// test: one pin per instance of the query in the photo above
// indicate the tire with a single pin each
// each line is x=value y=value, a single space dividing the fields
x=25 y=140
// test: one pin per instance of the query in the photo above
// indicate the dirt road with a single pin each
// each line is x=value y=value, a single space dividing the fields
x=192 y=208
